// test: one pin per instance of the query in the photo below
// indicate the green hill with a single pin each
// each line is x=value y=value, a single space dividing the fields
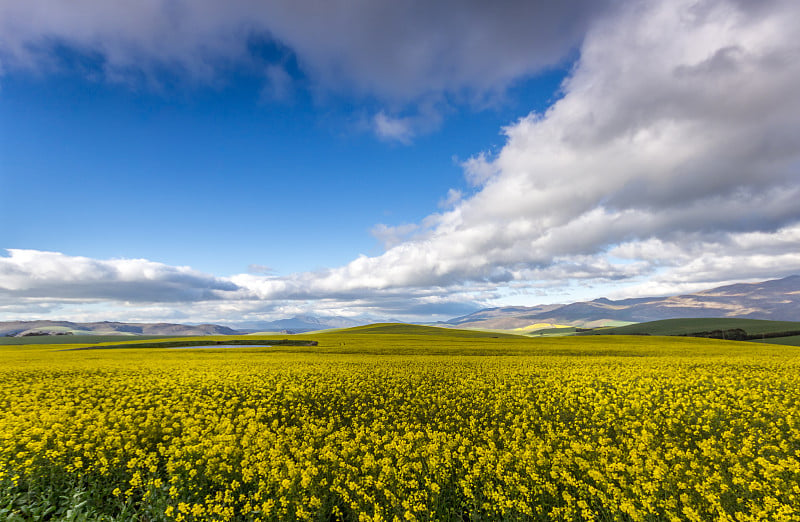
x=791 y=340
x=704 y=328
x=415 y=329
x=561 y=330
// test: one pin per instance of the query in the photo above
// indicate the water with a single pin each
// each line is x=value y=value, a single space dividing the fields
x=220 y=346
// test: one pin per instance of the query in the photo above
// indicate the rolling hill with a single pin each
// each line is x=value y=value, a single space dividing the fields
x=415 y=330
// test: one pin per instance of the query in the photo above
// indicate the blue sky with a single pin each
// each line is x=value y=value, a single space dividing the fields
x=127 y=171
x=192 y=162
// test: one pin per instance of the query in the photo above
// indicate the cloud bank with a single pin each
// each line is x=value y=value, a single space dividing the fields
x=671 y=162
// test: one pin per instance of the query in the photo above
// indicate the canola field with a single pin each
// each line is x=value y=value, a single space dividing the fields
x=404 y=427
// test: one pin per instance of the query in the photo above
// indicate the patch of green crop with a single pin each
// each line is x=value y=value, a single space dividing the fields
x=691 y=326
x=792 y=340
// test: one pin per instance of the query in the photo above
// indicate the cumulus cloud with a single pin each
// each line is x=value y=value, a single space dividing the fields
x=478 y=170
x=279 y=84
x=696 y=265
x=684 y=127
x=393 y=129
x=255 y=268
x=34 y=274
x=396 y=50
x=426 y=117
x=392 y=236
x=453 y=197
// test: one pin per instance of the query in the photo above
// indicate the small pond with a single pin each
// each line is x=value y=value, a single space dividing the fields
x=220 y=346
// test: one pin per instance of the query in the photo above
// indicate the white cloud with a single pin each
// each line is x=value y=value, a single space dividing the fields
x=393 y=236
x=478 y=170
x=35 y=274
x=255 y=268
x=393 y=129
x=453 y=197
x=279 y=84
x=426 y=117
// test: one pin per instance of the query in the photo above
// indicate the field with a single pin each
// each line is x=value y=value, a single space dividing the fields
x=404 y=423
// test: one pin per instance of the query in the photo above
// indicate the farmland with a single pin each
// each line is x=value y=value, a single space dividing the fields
x=404 y=423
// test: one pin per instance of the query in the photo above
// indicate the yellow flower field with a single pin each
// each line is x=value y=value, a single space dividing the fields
x=565 y=429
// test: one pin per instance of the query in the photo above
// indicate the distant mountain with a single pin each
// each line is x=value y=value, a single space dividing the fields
x=504 y=318
x=777 y=300
x=298 y=324
x=303 y=323
x=23 y=328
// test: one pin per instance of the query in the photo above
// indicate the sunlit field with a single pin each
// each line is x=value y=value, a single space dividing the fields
x=409 y=425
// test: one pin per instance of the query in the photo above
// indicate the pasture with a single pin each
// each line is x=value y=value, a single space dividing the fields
x=403 y=423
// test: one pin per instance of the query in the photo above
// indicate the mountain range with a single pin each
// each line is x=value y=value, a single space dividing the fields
x=298 y=324
x=777 y=300
x=302 y=323
x=25 y=328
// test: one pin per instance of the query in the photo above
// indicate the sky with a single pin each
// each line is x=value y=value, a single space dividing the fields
x=252 y=160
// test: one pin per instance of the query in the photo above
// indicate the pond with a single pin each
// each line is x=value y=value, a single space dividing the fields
x=220 y=346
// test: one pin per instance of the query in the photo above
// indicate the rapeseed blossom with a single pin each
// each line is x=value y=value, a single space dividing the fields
x=251 y=435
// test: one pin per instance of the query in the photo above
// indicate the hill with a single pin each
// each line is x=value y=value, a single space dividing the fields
x=414 y=330
x=704 y=327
